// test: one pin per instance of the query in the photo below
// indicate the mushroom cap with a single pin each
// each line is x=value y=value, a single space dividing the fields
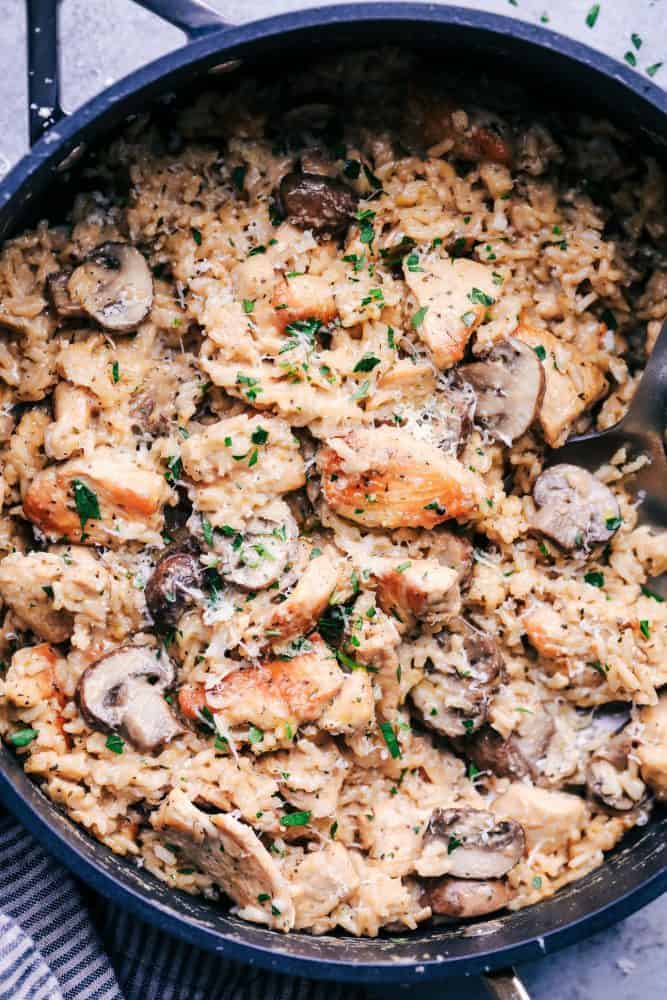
x=464 y=898
x=173 y=586
x=509 y=384
x=574 y=508
x=114 y=286
x=612 y=778
x=469 y=843
x=312 y=201
x=259 y=555
x=123 y=691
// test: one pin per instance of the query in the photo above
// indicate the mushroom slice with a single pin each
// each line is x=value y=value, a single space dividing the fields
x=124 y=691
x=57 y=287
x=509 y=383
x=453 y=696
x=574 y=508
x=312 y=201
x=114 y=286
x=519 y=755
x=612 y=777
x=469 y=843
x=257 y=556
x=385 y=477
x=174 y=586
x=233 y=855
x=463 y=898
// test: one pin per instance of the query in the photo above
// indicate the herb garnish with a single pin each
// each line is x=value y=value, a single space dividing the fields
x=87 y=504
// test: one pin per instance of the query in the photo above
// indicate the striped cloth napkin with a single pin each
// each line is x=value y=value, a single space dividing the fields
x=60 y=941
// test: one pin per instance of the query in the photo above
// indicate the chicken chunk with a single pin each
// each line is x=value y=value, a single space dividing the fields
x=46 y=590
x=272 y=694
x=309 y=775
x=573 y=383
x=417 y=590
x=384 y=477
x=107 y=498
x=552 y=637
x=239 y=464
x=455 y=294
x=298 y=615
x=306 y=296
x=549 y=818
x=392 y=833
x=319 y=881
x=652 y=751
x=73 y=408
x=232 y=854
x=30 y=680
x=353 y=708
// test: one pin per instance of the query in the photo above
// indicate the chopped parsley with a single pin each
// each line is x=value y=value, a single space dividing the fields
x=391 y=341
x=436 y=506
x=248 y=306
x=630 y=58
x=255 y=735
x=540 y=351
x=48 y=590
x=362 y=391
x=114 y=743
x=537 y=882
x=645 y=628
x=374 y=181
x=613 y=523
x=477 y=295
x=87 y=504
x=595 y=579
x=366 y=231
x=454 y=842
x=252 y=386
x=300 y=818
x=238 y=177
x=366 y=363
x=263 y=897
x=412 y=262
x=418 y=317
x=253 y=458
x=196 y=236
x=390 y=740
x=259 y=436
x=592 y=15
x=602 y=668
x=115 y=373
x=651 y=593
x=174 y=469
x=257 y=250
x=402 y=568
x=468 y=319
x=333 y=829
x=22 y=737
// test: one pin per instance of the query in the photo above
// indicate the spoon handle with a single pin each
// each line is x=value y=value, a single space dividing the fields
x=648 y=409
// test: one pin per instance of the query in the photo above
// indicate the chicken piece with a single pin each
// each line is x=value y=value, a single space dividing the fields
x=234 y=857
x=549 y=634
x=455 y=294
x=353 y=708
x=298 y=615
x=272 y=694
x=384 y=477
x=549 y=818
x=46 y=590
x=573 y=384
x=309 y=775
x=31 y=680
x=417 y=590
x=73 y=408
x=107 y=498
x=306 y=296
x=239 y=464
x=319 y=881
x=652 y=751
x=461 y=898
x=392 y=832
x=380 y=899
x=379 y=641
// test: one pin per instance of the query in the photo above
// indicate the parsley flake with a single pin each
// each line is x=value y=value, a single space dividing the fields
x=87 y=504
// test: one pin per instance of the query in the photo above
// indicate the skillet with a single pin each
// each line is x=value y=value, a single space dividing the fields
x=547 y=64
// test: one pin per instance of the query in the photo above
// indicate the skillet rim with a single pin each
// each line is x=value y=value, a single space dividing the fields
x=18 y=792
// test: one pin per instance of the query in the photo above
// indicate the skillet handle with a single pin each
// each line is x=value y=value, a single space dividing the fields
x=504 y=984
x=194 y=17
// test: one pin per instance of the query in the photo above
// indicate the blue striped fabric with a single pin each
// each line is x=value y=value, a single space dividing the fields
x=59 y=941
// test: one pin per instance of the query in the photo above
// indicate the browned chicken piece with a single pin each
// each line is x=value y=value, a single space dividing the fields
x=353 y=708
x=652 y=751
x=306 y=296
x=30 y=680
x=385 y=478
x=229 y=852
x=417 y=590
x=275 y=692
x=106 y=498
x=549 y=634
x=573 y=384
x=303 y=607
x=453 y=296
x=319 y=881
x=549 y=818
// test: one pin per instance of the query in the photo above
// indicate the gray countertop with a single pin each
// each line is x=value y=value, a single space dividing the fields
x=104 y=40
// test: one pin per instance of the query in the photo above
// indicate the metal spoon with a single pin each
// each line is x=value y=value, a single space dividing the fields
x=641 y=432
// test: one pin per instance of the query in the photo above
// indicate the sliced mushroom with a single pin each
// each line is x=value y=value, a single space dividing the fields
x=311 y=201
x=509 y=383
x=519 y=755
x=574 y=508
x=469 y=843
x=114 y=286
x=124 y=692
x=454 y=695
x=175 y=585
x=57 y=286
x=257 y=556
x=463 y=898
x=612 y=776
